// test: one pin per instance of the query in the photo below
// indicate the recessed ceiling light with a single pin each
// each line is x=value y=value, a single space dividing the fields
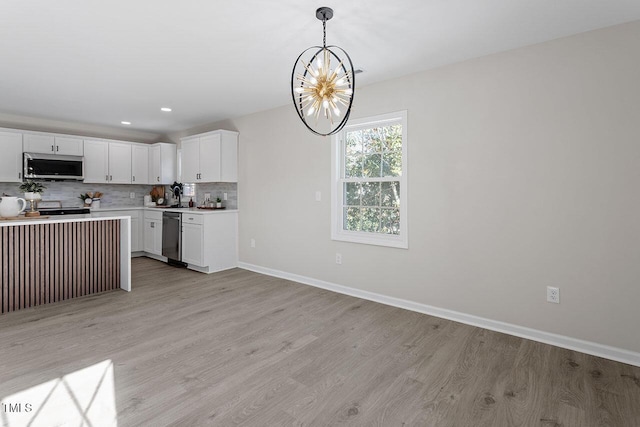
x=166 y=109
x=125 y=123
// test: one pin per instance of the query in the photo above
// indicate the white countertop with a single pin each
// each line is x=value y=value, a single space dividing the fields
x=55 y=220
x=185 y=210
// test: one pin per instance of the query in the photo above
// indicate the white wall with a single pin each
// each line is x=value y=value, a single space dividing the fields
x=524 y=169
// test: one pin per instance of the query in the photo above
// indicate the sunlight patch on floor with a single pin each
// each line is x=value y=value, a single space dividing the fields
x=82 y=398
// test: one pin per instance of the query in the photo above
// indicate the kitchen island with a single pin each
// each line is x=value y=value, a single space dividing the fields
x=49 y=260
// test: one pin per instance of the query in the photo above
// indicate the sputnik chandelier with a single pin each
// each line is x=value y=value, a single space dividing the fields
x=323 y=84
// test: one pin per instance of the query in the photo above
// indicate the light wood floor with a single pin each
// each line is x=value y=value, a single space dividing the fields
x=239 y=348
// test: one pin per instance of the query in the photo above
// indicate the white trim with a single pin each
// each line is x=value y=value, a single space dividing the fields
x=588 y=347
x=337 y=159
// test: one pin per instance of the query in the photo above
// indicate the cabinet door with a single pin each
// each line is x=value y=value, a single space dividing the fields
x=11 y=158
x=151 y=227
x=35 y=143
x=136 y=232
x=210 y=158
x=157 y=238
x=69 y=146
x=139 y=164
x=168 y=163
x=193 y=244
x=119 y=163
x=229 y=160
x=154 y=165
x=190 y=161
x=96 y=161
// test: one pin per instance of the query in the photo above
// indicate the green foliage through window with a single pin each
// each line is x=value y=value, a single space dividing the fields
x=373 y=162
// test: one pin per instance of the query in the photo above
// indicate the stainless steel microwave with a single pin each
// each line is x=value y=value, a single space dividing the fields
x=53 y=167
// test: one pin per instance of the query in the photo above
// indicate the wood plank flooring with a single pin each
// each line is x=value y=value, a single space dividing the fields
x=240 y=348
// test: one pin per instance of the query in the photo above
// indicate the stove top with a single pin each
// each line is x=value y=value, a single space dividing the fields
x=64 y=211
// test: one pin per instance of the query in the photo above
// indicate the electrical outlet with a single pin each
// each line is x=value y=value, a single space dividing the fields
x=318 y=196
x=132 y=195
x=338 y=258
x=207 y=196
x=553 y=295
x=224 y=196
x=253 y=243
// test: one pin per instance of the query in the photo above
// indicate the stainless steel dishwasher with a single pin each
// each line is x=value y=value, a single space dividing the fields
x=171 y=237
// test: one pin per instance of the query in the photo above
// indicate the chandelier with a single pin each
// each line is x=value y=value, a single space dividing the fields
x=323 y=84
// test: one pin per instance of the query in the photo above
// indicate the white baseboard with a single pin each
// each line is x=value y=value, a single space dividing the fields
x=588 y=347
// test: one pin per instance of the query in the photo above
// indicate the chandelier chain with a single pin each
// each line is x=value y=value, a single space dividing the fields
x=324 y=32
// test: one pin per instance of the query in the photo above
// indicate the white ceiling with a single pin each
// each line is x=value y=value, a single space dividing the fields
x=101 y=62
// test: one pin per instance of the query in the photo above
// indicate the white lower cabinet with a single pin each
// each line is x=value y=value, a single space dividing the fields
x=153 y=232
x=193 y=239
x=136 y=225
x=209 y=241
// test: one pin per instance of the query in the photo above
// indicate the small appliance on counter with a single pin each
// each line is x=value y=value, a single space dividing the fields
x=176 y=191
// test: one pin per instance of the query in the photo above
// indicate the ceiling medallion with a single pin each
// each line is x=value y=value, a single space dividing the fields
x=323 y=84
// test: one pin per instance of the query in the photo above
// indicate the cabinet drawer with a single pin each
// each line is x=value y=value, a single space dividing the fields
x=155 y=215
x=192 y=218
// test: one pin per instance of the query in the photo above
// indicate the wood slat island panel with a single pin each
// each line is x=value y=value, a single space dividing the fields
x=53 y=261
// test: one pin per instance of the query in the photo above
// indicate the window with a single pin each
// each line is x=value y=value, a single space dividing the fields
x=369 y=200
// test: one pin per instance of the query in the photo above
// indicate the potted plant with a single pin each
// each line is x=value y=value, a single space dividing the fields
x=32 y=190
x=218 y=203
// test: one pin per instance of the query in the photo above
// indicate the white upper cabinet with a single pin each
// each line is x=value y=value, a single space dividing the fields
x=69 y=146
x=52 y=144
x=139 y=164
x=210 y=157
x=119 y=163
x=190 y=160
x=162 y=163
x=107 y=162
x=11 y=158
x=96 y=161
x=229 y=159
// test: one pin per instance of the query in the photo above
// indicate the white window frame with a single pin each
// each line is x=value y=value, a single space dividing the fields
x=338 y=232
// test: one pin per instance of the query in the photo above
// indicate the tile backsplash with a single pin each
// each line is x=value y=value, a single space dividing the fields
x=118 y=195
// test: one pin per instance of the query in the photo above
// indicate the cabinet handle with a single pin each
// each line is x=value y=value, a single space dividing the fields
x=153 y=225
x=133 y=179
x=52 y=148
x=106 y=177
x=110 y=177
x=57 y=148
x=158 y=179
x=19 y=175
